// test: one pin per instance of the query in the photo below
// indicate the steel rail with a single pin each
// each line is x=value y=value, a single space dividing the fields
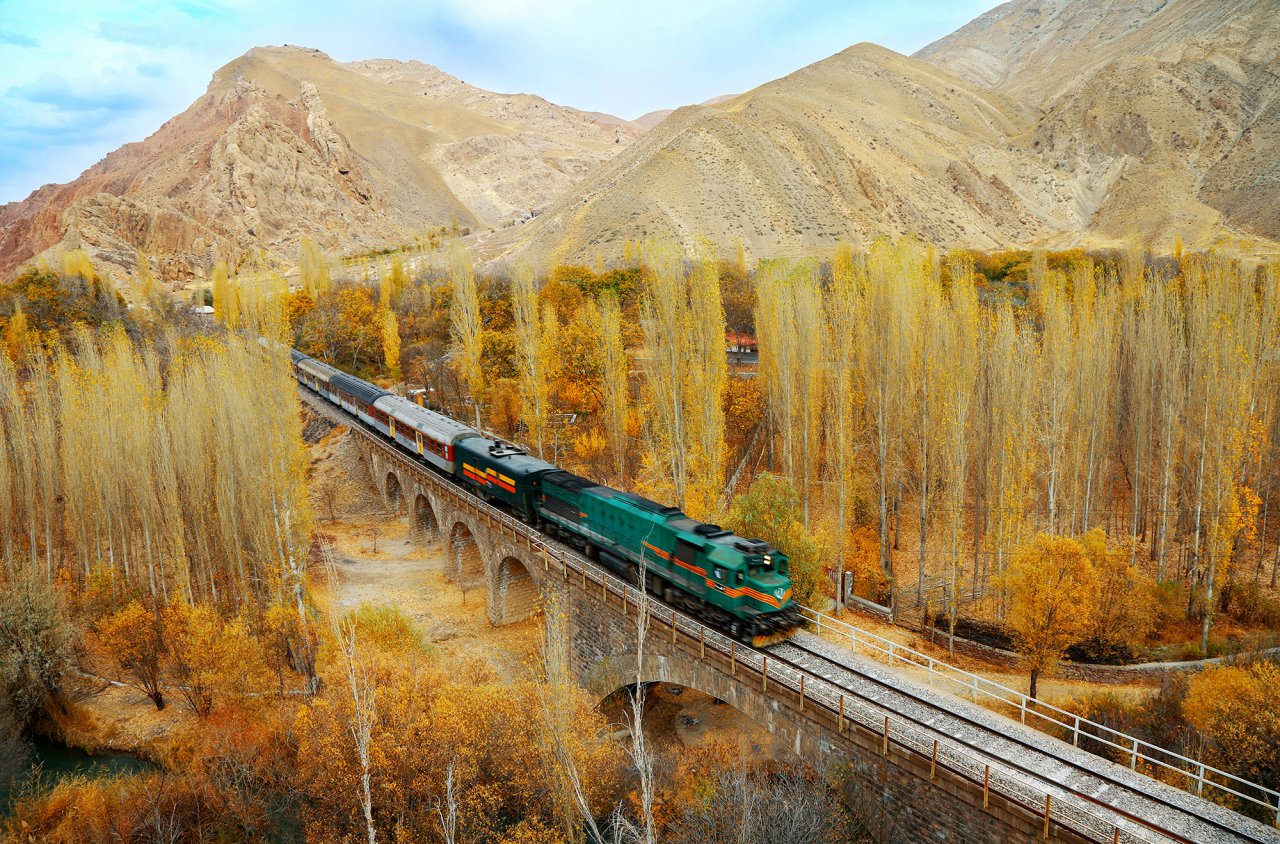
x=1195 y=772
x=1024 y=744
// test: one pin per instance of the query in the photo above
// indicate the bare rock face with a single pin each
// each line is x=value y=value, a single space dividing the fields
x=287 y=143
x=1178 y=100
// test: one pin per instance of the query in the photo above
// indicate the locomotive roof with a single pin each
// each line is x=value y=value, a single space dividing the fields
x=436 y=425
x=639 y=501
x=358 y=387
x=569 y=481
x=516 y=460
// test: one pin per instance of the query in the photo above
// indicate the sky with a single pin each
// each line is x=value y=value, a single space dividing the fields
x=78 y=78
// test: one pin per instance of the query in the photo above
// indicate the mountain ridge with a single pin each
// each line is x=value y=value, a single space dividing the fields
x=1050 y=122
x=1154 y=119
x=286 y=143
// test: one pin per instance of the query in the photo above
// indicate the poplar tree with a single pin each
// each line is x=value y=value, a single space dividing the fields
x=613 y=384
x=533 y=374
x=848 y=278
x=465 y=324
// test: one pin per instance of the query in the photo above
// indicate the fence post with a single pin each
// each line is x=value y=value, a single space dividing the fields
x=1023 y=698
x=733 y=658
x=802 y=693
x=986 y=787
x=933 y=766
x=884 y=750
x=1048 y=804
x=840 y=722
x=1133 y=760
x=1075 y=733
x=764 y=675
x=673 y=627
x=853 y=639
x=702 y=642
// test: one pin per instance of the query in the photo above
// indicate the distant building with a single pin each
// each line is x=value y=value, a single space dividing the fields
x=735 y=342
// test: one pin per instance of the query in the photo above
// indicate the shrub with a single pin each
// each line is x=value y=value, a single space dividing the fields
x=1250 y=604
x=36 y=643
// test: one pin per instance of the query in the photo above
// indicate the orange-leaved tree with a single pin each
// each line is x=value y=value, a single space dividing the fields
x=209 y=658
x=1050 y=585
x=1237 y=712
x=132 y=638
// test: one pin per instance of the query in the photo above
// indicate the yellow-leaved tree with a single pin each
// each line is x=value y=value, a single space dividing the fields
x=1050 y=584
x=465 y=323
x=771 y=510
x=1236 y=711
x=1126 y=605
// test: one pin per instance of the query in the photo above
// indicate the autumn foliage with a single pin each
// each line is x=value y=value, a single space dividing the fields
x=1051 y=584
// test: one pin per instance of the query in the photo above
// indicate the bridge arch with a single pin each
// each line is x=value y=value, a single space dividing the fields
x=514 y=593
x=426 y=527
x=393 y=491
x=465 y=562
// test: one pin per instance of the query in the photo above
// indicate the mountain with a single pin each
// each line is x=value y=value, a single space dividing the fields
x=862 y=143
x=287 y=143
x=1058 y=122
x=1054 y=122
x=650 y=119
x=1179 y=99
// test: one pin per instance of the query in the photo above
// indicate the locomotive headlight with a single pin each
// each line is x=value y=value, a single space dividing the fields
x=768 y=561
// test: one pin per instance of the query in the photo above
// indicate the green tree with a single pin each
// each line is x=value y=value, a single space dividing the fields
x=768 y=510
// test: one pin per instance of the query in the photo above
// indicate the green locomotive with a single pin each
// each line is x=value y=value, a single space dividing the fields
x=740 y=585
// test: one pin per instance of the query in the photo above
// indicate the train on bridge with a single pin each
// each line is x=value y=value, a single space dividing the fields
x=738 y=585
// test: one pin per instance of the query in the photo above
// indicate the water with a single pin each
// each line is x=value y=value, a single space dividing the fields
x=56 y=762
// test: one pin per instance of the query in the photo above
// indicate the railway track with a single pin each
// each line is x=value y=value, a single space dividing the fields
x=1130 y=799
x=1069 y=795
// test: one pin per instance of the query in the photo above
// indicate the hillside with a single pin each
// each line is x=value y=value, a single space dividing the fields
x=1058 y=122
x=1181 y=98
x=288 y=143
x=863 y=143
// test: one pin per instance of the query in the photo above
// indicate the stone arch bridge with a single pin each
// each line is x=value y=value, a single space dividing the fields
x=935 y=782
